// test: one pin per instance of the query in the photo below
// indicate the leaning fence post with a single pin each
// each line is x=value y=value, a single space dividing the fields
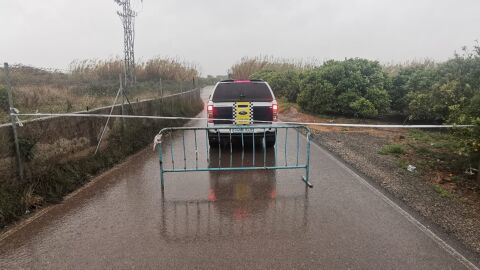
x=13 y=121
x=108 y=119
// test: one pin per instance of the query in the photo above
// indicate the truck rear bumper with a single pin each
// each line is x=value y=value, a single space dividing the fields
x=236 y=130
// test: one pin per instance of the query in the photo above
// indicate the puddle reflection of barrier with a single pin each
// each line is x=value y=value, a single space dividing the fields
x=192 y=151
x=241 y=207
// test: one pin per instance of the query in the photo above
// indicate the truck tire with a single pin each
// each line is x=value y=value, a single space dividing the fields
x=270 y=141
x=212 y=141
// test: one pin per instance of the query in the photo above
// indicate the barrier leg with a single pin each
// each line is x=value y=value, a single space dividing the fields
x=160 y=156
x=305 y=178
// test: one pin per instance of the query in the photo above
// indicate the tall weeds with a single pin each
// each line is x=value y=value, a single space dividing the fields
x=249 y=65
x=167 y=69
x=153 y=69
x=92 y=83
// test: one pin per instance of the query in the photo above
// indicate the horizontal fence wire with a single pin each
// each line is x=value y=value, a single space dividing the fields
x=224 y=119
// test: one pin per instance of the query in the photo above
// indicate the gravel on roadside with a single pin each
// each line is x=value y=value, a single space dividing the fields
x=457 y=216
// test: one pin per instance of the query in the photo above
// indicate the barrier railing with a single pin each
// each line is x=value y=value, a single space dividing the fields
x=233 y=148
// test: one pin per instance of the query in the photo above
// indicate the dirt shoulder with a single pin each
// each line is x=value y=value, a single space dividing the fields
x=434 y=190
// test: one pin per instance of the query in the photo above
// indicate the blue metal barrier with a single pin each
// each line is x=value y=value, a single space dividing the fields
x=230 y=140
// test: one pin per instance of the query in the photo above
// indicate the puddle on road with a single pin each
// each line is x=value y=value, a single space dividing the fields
x=238 y=204
x=231 y=204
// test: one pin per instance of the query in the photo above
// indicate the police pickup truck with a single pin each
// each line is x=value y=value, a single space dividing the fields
x=236 y=103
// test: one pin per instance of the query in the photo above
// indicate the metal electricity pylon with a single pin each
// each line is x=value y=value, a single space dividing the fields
x=127 y=15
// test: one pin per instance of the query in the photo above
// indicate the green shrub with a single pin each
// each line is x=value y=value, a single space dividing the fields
x=362 y=107
x=392 y=149
x=10 y=206
x=284 y=83
x=349 y=87
x=317 y=95
x=345 y=100
x=379 y=98
x=415 y=77
x=437 y=91
x=440 y=190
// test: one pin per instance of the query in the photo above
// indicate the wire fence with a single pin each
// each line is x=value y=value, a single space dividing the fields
x=60 y=91
x=38 y=143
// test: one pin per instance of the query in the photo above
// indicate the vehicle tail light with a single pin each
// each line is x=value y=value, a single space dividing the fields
x=210 y=113
x=275 y=111
x=211 y=195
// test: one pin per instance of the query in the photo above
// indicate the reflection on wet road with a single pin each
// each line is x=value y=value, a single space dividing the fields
x=239 y=205
x=223 y=220
x=244 y=207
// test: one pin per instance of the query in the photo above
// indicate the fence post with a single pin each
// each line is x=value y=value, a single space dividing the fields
x=122 y=108
x=189 y=98
x=13 y=121
x=161 y=88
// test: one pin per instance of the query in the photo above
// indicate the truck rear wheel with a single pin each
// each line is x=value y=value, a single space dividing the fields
x=270 y=141
x=212 y=141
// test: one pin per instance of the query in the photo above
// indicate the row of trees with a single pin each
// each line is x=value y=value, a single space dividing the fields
x=351 y=87
x=447 y=92
x=427 y=91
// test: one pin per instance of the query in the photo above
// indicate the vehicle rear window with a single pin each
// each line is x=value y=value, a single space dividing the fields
x=242 y=91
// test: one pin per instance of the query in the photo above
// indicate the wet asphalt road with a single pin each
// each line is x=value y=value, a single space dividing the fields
x=234 y=220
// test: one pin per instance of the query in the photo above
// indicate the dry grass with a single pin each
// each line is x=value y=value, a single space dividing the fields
x=26 y=75
x=394 y=68
x=247 y=66
x=31 y=200
x=93 y=83
x=165 y=68
x=57 y=99
x=34 y=96
x=93 y=69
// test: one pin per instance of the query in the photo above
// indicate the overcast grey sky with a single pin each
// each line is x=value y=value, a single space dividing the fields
x=217 y=33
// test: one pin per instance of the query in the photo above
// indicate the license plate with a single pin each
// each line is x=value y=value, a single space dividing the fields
x=244 y=130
